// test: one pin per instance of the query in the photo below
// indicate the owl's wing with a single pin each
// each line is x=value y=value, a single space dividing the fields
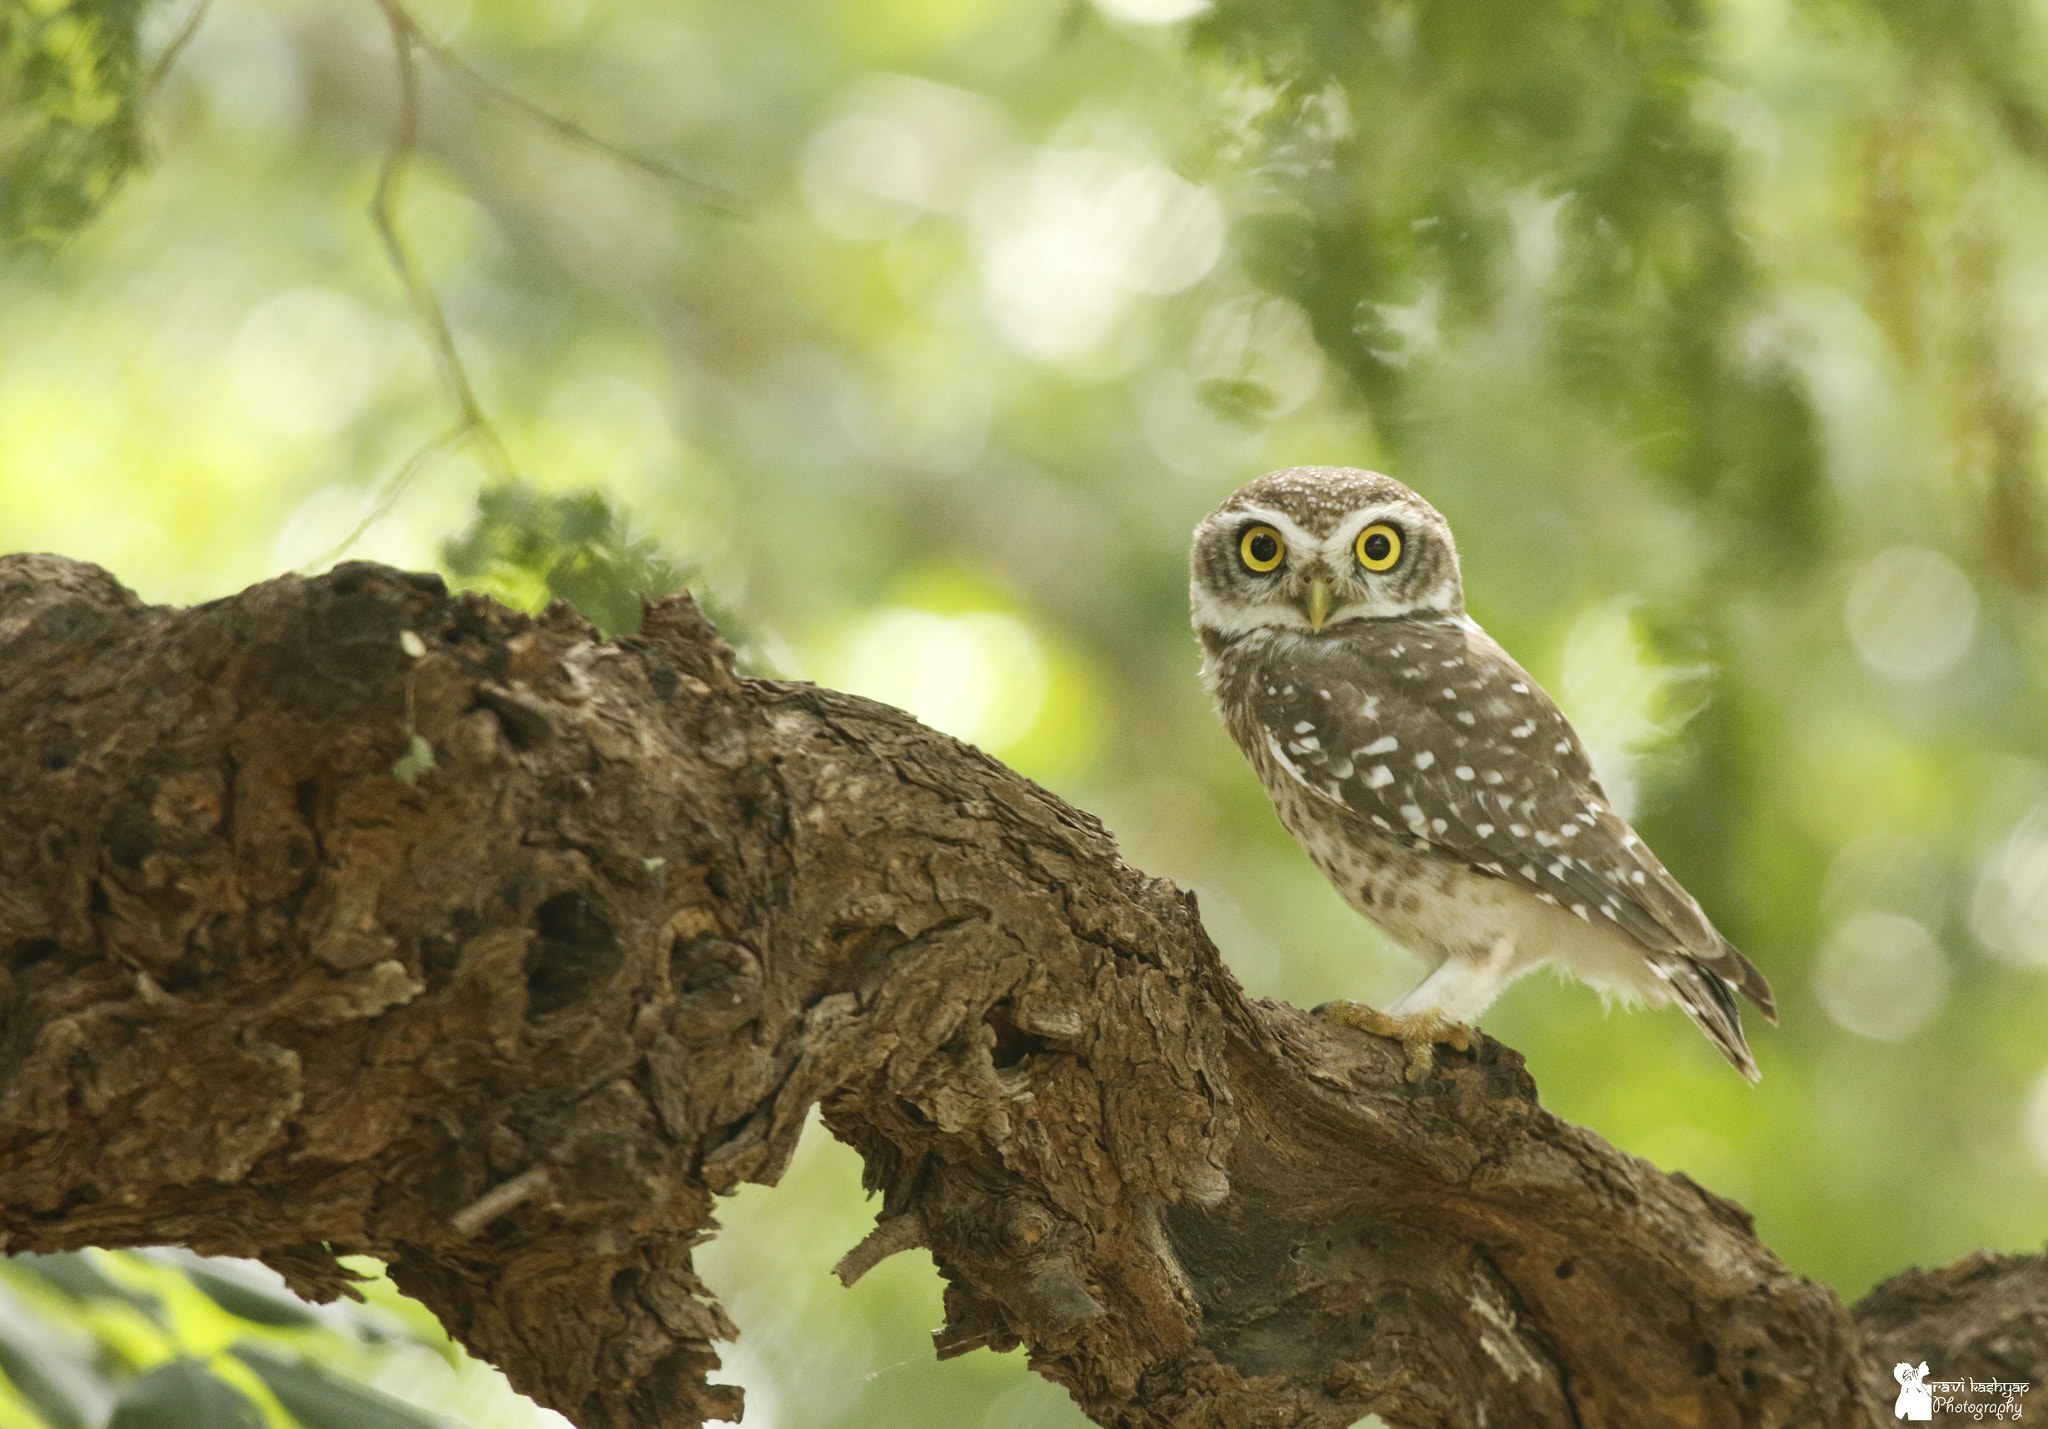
x=1431 y=732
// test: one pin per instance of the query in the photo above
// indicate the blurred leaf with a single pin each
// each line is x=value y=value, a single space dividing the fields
x=69 y=73
x=258 y=1307
x=1456 y=174
x=74 y=1273
x=72 y=1368
x=528 y=547
x=49 y=1372
x=183 y=1394
x=321 y=1401
x=1239 y=398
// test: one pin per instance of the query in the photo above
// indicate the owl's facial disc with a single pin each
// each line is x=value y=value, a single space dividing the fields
x=1312 y=578
x=1309 y=548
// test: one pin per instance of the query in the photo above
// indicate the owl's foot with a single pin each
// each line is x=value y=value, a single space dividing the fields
x=1417 y=1032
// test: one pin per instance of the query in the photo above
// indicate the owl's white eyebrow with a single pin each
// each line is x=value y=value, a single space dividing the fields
x=1297 y=538
x=1342 y=537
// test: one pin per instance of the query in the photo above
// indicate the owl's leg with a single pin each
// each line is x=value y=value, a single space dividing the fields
x=1417 y=1032
x=1440 y=1008
x=1463 y=986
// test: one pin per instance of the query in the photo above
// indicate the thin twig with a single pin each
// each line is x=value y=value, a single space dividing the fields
x=390 y=174
x=171 y=51
x=488 y=89
x=472 y=424
x=413 y=465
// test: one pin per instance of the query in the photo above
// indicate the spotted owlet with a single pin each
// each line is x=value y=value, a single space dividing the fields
x=1425 y=772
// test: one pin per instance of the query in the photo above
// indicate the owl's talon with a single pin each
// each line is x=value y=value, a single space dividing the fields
x=1417 y=1032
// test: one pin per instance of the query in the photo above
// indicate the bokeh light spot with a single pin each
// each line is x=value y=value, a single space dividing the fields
x=2034 y=1121
x=1613 y=692
x=1256 y=358
x=302 y=364
x=2009 y=912
x=1152 y=12
x=902 y=147
x=866 y=176
x=1881 y=976
x=980 y=677
x=1911 y=613
x=1172 y=230
x=1892 y=871
x=1063 y=249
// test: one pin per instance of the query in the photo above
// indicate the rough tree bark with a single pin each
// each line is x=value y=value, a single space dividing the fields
x=348 y=916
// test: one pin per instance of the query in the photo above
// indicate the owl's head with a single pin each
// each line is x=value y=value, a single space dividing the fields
x=1311 y=546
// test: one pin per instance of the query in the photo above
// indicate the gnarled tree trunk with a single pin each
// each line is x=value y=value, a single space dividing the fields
x=348 y=916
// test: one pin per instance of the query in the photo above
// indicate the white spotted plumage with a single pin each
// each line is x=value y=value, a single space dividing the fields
x=1425 y=772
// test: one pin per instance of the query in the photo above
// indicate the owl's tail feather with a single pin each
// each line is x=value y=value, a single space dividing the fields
x=1731 y=966
x=1709 y=1000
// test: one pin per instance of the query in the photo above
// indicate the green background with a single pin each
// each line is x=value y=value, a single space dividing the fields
x=1718 y=330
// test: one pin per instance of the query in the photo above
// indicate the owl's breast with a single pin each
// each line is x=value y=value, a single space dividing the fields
x=1398 y=886
x=1355 y=712
x=1431 y=905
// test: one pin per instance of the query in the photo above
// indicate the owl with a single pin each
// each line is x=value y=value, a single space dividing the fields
x=1424 y=771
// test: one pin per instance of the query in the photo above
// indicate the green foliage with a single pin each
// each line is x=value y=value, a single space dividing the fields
x=69 y=75
x=528 y=547
x=323 y=1401
x=167 y=1340
x=1451 y=175
x=183 y=1395
x=254 y=1303
x=46 y=1369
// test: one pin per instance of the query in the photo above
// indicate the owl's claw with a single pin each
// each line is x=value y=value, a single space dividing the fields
x=1417 y=1032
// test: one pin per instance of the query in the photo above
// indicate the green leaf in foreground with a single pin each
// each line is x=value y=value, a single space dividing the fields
x=52 y=1375
x=183 y=1395
x=321 y=1401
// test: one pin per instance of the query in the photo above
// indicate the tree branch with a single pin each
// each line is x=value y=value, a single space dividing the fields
x=510 y=1014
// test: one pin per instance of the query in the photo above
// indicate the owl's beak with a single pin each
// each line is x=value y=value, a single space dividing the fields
x=1318 y=603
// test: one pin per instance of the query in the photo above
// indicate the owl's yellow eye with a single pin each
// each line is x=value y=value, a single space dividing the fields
x=1261 y=548
x=1379 y=547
